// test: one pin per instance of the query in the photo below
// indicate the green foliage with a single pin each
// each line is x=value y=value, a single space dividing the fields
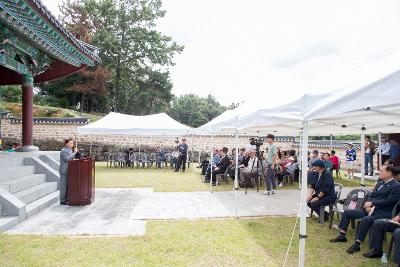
x=195 y=111
x=132 y=49
x=10 y=93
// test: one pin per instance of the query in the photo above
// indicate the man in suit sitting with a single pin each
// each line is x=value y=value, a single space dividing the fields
x=380 y=205
x=67 y=153
x=377 y=235
x=322 y=189
x=220 y=167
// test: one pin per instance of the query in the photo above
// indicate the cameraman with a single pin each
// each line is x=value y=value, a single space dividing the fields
x=182 y=149
x=271 y=158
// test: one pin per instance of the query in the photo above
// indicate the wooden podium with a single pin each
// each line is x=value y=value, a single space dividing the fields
x=81 y=182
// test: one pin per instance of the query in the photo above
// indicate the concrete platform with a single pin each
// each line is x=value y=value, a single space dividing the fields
x=108 y=215
x=125 y=211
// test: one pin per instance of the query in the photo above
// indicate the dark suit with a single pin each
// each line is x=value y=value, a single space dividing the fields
x=384 y=197
x=222 y=164
x=378 y=232
x=325 y=185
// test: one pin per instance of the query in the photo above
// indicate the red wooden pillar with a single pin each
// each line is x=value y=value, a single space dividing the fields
x=27 y=115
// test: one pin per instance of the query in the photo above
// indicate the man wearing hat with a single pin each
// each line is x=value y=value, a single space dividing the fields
x=182 y=149
x=322 y=189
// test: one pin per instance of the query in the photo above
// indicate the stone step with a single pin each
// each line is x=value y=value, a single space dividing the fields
x=42 y=203
x=8 y=222
x=23 y=183
x=8 y=161
x=7 y=174
x=34 y=193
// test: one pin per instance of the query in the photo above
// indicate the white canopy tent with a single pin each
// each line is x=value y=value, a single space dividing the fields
x=117 y=123
x=373 y=106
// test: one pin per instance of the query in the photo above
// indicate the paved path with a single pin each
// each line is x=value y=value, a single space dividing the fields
x=125 y=211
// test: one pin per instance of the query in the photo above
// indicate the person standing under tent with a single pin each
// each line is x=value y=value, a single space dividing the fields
x=384 y=149
x=394 y=150
x=369 y=155
x=183 y=149
x=66 y=154
x=271 y=159
x=351 y=156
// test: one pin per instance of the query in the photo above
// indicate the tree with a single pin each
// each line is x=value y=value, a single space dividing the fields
x=195 y=111
x=11 y=93
x=125 y=31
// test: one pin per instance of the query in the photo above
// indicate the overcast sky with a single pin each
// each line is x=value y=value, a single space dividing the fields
x=268 y=50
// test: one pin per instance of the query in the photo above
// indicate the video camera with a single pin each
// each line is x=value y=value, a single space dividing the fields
x=176 y=140
x=257 y=141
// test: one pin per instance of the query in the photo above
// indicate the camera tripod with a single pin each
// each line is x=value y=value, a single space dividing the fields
x=256 y=175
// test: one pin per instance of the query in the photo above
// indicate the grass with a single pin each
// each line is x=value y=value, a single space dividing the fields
x=167 y=181
x=159 y=179
x=46 y=111
x=222 y=242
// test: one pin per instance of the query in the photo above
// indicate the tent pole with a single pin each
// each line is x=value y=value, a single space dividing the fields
x=379 y=150
x=301 y=156
x=362 y=156
x=236 y=187
x=331 y=142
x=211 y=161
x=304 y=172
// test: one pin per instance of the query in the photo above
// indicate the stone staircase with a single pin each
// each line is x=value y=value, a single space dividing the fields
x=27 y=185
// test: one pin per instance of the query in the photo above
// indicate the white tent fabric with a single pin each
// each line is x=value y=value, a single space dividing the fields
x=117 y=123
x=375 y=106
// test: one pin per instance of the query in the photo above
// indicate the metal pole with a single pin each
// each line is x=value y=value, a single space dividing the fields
x=362 y=156
x=379 y=150
x=301 y=157
x=236 y=185
x=331 y=142
x=303 y=205
x=211 y=161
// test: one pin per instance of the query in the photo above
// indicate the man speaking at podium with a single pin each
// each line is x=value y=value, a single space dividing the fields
x=66 y=155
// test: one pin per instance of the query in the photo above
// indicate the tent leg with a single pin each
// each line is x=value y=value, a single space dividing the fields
x=304 y=172
x=211 y=162
x=379 y=152
x=236 y=185
x=331 y=142
x=362 y=183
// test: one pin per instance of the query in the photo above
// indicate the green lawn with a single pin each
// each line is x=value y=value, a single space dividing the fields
x=220 y=242
x=167 y=181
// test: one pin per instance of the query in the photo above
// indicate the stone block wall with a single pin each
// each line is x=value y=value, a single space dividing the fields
x=50 y=137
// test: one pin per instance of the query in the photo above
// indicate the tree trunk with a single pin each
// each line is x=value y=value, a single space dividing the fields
x=82 y=102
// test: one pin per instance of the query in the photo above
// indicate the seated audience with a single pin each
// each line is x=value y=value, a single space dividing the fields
x=322 y=189
x=218 y=168
x=379 y=206
x=328 y=162
x=312 y=158
x=378 y=230
x=335 y=160
x=286 y=170
x=246 y=171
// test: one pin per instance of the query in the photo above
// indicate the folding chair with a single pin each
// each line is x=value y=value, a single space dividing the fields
x=356 y=198
x=223 y=176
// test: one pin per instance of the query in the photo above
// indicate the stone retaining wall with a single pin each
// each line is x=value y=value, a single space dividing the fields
x=50 y=137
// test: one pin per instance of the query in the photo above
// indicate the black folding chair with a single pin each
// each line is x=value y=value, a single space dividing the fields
x=356 y=198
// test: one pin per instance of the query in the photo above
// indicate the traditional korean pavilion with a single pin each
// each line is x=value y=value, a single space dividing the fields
x=35 y=48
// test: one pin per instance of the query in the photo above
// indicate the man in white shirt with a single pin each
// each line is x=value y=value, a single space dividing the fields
x=384 y=149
